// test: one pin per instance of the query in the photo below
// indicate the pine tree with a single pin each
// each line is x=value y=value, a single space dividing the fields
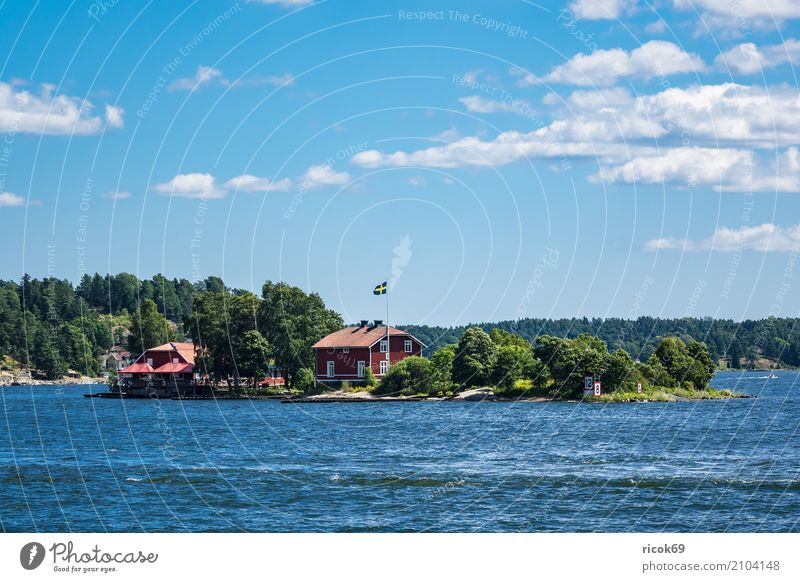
x=735 y=356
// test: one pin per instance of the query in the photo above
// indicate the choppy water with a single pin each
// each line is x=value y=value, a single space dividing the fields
x=69 y=463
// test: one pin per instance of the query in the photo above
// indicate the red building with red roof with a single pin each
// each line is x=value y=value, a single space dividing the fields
x=346 y=354
x=167 y=369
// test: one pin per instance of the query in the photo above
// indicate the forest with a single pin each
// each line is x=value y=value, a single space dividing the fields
x=743 y=344
x=52 y=326
x=553 y=367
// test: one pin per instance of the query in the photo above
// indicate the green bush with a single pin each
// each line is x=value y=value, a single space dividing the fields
x=409 y=376
x=369 y=378
x=306 y=380
x=474 y=358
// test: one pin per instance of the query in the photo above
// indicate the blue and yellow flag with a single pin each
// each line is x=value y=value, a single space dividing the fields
x=380 y=289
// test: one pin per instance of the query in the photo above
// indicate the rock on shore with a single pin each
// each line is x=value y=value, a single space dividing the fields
x=476 y=394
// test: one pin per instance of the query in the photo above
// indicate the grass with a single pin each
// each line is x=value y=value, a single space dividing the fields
x=661 y=394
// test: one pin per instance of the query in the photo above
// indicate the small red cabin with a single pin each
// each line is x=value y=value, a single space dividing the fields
x=173 y=360
x=347 y=353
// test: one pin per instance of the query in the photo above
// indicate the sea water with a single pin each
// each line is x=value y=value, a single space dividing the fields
x=69 y=463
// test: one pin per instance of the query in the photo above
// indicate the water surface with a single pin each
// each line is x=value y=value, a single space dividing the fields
x=69 y=463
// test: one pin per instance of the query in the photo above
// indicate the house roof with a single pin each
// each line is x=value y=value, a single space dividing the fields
x=171 y=368
x=137 y=369
x=358 y=337
x=272 y=381
x=184 y=349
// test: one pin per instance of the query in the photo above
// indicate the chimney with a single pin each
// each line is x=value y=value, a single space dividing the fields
x=364 y=323
x=377 y=323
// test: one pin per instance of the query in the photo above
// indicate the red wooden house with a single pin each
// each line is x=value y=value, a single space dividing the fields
x=347 y=353
x=167 y=369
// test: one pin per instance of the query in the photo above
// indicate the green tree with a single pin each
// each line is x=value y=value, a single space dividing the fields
x=620 y=372
x=409 y=376
x=124 y=292
x=702 y=367
x=148 y=328
x=680 y=364
x=570 y=360
x=502 y=338
x=474 y=358
x=44 y=355
x=293 y=321
x=735 y=355
x=442 y=369
x=252 y=354
x=512 y=363
x=208 y=327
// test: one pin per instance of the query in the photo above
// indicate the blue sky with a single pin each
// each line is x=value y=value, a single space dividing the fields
x=506 y=159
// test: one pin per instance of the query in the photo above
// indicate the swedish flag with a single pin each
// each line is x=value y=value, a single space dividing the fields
x=380 y=289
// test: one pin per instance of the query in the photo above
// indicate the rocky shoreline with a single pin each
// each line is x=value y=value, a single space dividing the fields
x=484 y=395
x=13 y=380
x=472 y=395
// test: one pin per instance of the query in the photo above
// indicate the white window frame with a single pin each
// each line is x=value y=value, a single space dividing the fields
x=361 y=368
x=345 y=350
x=384 y=367
x=408 y=346
x=331 y=371
x=384 y=346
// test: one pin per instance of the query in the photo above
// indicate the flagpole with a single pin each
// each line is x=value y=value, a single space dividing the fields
x=388 y=343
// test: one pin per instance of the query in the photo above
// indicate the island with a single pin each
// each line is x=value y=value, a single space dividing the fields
x=232 y=343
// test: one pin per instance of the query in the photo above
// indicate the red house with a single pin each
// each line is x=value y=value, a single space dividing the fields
x=167 y=369
x=347 y=353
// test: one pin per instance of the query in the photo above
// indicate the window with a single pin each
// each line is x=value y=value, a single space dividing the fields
x=330 y=369
x=174 y=360
x=384 y=346
x=361 y=365
x=407 y=346
x=150 y=361
x=345 y=350
x=384 y=366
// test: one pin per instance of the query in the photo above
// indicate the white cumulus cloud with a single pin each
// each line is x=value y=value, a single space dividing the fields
x=600 y=9
x=763 y=238
x=657 y=58
x=115 y=116
x=478 y=104
x=197 y=186
x=323 y=175
x=726 y=170
x=50 y=114
x=250 y=183
x=11 y=199
x=778 y=9
x=748 y=58
x=617 y=128
x=203 y=76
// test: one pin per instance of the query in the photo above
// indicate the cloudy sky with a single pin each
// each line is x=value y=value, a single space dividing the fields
x=578 y=158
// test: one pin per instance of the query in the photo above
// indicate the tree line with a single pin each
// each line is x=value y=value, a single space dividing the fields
x=552 y=366
x=742 y=343
x=52 y=326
